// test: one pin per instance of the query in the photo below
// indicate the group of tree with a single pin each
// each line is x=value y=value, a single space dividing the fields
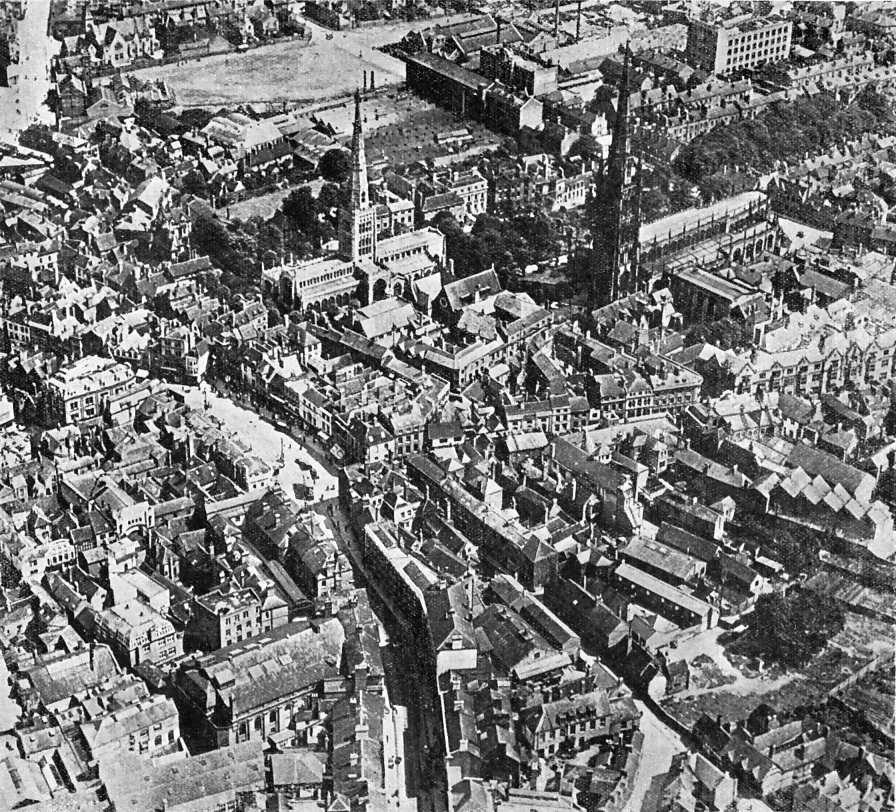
x=508 y=244
x=789 y=629
x=310 y=218
x=785 y=131
x=234 y=252
x=300 y=227
x=664 y=191
x=726 y=333
x=797 y=548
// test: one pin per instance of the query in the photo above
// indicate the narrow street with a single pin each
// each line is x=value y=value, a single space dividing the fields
x=660 y=744
x=406 y=678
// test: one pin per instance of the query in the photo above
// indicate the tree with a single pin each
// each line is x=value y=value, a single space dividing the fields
x=329 y=197
x=195 y=118
x=193 y=183
x=335 y=165
x=209 y=235
x=300 y=208
x=785 y=131
x=790 y=629
x=210 y=282
x=464 y=251
x=274 y=317
x=797 y=549
x=270 y=238
x=654 y=203
x=66 y=168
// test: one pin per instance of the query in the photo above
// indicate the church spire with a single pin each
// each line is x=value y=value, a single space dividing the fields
x=357 y=218
x=618 y=208
x=359 y=191
x=620 y=144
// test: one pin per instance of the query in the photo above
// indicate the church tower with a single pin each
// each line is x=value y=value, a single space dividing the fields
x=617 y=211
x=357 y=218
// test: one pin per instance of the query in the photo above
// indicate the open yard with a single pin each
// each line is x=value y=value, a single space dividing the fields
x=289 y=71
x=861 y=639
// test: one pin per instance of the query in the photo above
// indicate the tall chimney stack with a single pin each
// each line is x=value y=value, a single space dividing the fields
x=578 y=20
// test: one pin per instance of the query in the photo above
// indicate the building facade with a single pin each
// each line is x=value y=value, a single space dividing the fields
x=738 y=43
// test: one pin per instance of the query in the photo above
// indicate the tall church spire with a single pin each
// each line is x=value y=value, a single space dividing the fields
x=619 y=146
x=357 y=219
x=617 y=213
x=359 y=190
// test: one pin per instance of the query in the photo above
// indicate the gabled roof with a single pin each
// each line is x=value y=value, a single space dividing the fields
x=462 y=291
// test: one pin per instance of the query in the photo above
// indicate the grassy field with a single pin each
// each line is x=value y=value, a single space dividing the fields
x=285 y=71
x=289 y=71
x=264 y=206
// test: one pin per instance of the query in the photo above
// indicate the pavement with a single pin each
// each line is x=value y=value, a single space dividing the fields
x=752 y=805
x=801 y=235
x=394 y=726
x=23 y=102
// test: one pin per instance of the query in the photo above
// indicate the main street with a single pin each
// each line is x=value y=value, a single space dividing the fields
x=407 y=685
x=275 y=447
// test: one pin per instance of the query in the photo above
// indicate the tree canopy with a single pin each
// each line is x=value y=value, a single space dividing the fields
x=335 y=165
x=504 y=243
x=789 y=629
x=785 y=131
x=301 y=208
